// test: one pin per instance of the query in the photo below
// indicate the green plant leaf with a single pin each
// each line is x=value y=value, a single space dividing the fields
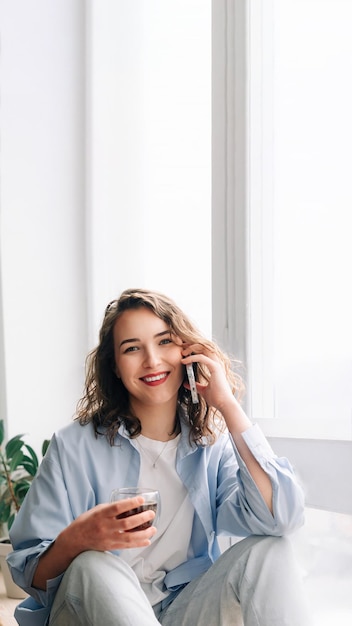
x=10 y=521
x=30 y=465
x=33 y=455
x=24 y=480
x=5 y=510
x=20 y=490
x=5 y=494
x=18 y=466
x=13 y=445
x=16 y=460
x=45 y=446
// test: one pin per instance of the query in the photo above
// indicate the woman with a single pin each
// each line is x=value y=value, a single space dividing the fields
x=215 y=471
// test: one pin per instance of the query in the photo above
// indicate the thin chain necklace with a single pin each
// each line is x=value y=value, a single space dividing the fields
x=154 y=462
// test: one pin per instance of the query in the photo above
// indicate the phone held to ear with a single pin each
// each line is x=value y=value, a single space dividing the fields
x=192 y=383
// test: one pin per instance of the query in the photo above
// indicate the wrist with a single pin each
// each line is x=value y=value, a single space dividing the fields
x=68 y=544
x=236 y=419
x=228 y=406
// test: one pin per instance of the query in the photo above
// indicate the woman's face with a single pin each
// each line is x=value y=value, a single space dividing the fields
x=147 y=357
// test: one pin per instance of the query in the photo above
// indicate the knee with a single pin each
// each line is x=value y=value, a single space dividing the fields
x=83 y=562
x=85 y=559
x=261 y=551
x=85 y=568
x=273 y=549
x=99 y=570
x=271 y=557
x=274 y=544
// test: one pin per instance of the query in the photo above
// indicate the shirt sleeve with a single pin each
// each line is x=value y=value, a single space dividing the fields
x=242 y=500
x=32 y=533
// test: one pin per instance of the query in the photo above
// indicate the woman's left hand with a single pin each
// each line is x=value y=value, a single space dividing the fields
x=217 y=392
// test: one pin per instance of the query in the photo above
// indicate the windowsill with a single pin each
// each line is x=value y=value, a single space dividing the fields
x=322 y=467
x=306 y=429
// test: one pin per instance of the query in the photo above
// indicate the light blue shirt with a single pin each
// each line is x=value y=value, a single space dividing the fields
x=79 y=471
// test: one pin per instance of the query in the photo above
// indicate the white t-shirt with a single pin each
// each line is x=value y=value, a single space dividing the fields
x=170 y=545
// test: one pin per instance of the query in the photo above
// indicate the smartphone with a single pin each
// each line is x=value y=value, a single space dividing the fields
x=192 y=383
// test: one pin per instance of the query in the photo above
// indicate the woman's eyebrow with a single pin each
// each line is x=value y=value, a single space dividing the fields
x=164 y=332
x=134 y=339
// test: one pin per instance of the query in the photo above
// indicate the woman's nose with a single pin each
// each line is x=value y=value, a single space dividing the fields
x=151 y=357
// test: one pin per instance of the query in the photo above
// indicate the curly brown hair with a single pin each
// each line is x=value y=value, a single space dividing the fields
x=105 y=402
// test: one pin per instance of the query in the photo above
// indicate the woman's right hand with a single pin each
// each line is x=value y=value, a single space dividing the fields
x=97 y=529
x=102 y=529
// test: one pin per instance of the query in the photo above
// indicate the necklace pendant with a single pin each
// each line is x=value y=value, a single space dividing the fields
x=154 y=465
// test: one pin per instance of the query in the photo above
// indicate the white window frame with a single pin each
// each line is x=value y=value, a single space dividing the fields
x=233 y=166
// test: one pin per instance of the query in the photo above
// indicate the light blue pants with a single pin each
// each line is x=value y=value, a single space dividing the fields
x=256 y=582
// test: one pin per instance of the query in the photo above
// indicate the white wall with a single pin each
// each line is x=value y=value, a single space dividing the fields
x=42 y=212
x=105 y=182
x=150 y=164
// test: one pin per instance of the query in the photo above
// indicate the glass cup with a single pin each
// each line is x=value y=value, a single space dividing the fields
x=151 y=501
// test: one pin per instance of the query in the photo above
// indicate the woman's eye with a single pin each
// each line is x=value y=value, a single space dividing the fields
x=165 y=341
x=131 y=349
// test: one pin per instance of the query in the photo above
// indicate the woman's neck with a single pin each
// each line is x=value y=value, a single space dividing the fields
x=158 y=432
x=158 y=422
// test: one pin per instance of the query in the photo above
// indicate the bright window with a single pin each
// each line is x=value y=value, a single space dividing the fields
x=300 y=218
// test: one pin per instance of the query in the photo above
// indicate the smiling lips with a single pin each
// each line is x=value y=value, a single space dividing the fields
x=155 y=379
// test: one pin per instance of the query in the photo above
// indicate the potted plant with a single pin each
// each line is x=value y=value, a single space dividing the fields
x=18 y=466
